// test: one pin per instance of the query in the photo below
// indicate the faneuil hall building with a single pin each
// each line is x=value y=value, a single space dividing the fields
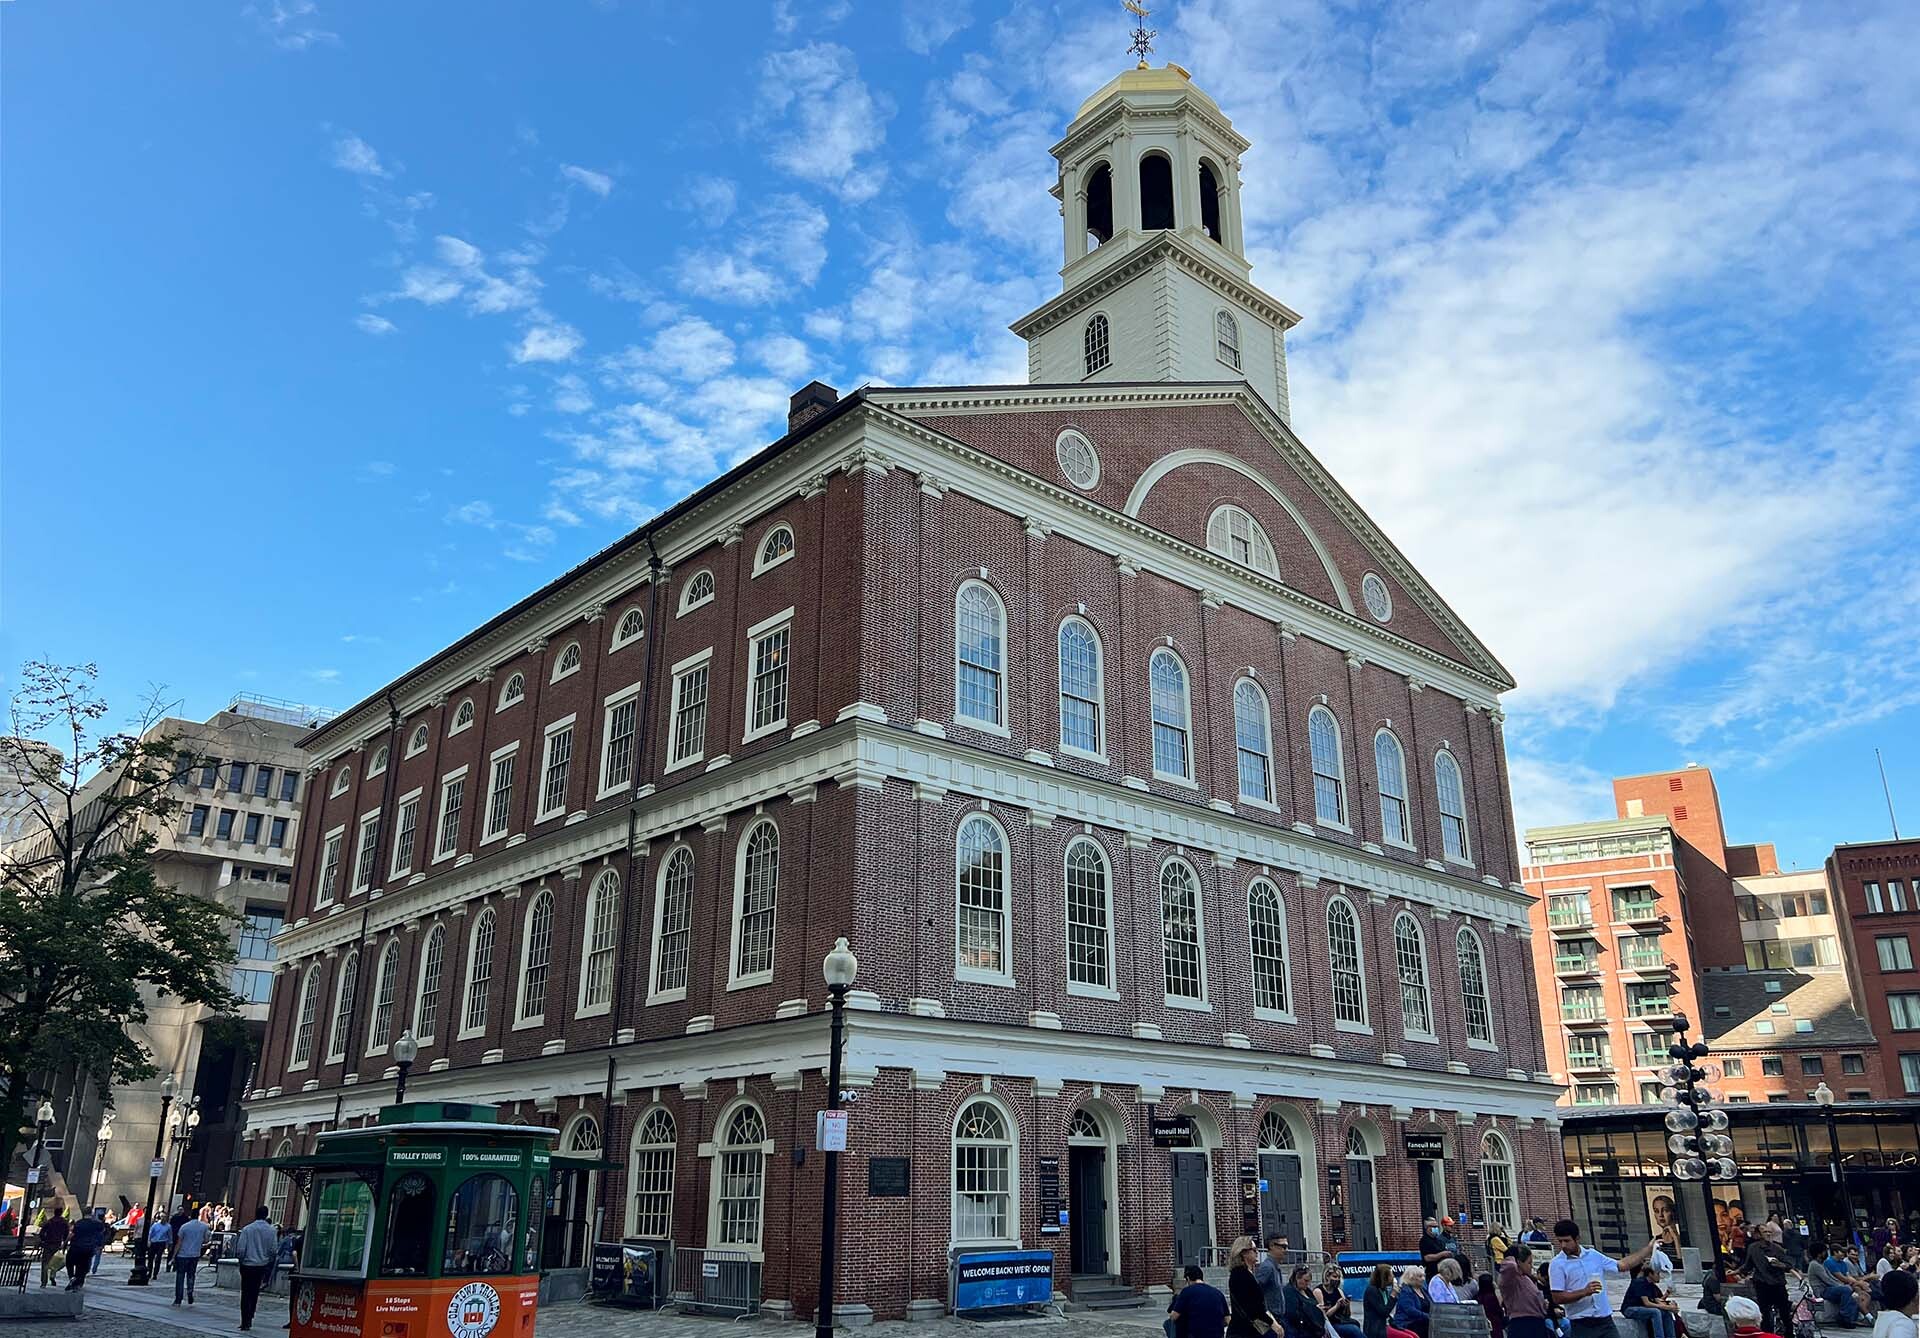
x=1162 y=801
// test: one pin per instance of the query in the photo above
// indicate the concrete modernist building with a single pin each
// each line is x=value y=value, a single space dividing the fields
x=1651 y=914
x=1146 y=777
x=1875 y=890
x=232 y=841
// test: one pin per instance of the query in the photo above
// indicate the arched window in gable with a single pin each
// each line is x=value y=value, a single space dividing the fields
x=1237 y=537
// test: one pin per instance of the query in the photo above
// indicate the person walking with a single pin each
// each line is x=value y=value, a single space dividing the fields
x=1247 y=1307
x=189 y=1242
x=1766 y=1265
x=1199 y=1311
x=159 y=1238
x=1521 y=1300
x=1575 y=1277
x=53 y=1239
x=254 y=1250
x=88 y=1233
x=1271 y=1274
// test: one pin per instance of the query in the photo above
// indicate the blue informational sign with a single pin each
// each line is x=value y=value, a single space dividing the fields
x=989 y=1279
x=1356 y=1266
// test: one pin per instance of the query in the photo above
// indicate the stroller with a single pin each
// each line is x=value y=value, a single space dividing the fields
x=1806 y=1306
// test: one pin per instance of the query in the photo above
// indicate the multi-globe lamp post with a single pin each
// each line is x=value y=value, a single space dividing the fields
x=1696 y=1129
x=1836 y=1164
x=41 y=1119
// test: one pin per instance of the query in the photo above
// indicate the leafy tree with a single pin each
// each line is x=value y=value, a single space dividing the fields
x=87 y=928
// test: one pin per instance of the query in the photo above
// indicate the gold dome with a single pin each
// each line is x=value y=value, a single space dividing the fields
x=1170 y=78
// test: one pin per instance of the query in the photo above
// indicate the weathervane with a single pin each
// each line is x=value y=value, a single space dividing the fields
x=1142 y=35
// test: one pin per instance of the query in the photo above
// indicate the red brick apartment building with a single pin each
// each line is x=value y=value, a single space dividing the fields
x=1145 y=776
x=1651 y=914
x=1876 y=893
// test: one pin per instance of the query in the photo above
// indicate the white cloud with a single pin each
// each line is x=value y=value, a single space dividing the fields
x=353 y=154
x=324 y=675
x=709 y=199
x=1549 y=793
x=692 y=349
x=474 y=513
x=831 y=119
x=380 y=469
x=598 y=182
x=570 y=394
x=926 y=25
x=551 y=341
x=374 y=325
x=291 y=25
x=783 y=355
x=818 y=15
x=782 y=247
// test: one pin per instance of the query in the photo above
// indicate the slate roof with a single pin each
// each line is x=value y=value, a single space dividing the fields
x=1821 y=997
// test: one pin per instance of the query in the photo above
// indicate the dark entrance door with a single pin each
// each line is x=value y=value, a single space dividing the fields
x=1087 y=1202
x=1364 y=1231
x=1280 y=1209
x=1433 y=1189
x=1192 y=1220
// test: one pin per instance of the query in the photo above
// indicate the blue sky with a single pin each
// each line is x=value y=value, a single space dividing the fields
x=330 y=329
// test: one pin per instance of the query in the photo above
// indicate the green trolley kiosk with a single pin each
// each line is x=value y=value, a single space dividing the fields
x=424 y=1225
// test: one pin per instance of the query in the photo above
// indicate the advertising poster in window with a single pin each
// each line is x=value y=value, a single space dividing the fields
x=1663 y=1215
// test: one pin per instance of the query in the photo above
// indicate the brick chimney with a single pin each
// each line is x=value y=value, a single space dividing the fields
x=809 y=402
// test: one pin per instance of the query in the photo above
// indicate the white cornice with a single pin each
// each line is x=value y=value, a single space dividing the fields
x=1166 y=246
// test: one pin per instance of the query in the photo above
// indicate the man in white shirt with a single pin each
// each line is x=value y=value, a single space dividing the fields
x=1899 y=1297
x=255 y=1249
x=1575 y=1275
x=186 y=1257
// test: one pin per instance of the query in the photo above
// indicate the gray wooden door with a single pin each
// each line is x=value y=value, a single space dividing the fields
x=1280 y=1209
x=1192 y=1220
x=1087 y=1219
x=1362 y=1230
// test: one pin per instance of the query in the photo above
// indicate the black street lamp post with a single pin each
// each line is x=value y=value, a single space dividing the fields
x=1701 y=1149
x=183 y=1132
x=142 y=1275
x=41 y=1119
x=1836 y=1164
x=405 y=1051
x=839 y=968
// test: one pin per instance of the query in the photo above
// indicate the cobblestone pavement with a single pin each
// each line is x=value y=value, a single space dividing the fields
x=115 y=1310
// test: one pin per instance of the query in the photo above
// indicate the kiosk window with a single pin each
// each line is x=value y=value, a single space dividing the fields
x=481 y=1218
x=409 y=1248
x=537 y=1198
x=342 y=1227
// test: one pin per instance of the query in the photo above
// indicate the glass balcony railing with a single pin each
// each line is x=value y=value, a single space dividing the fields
x=1575 y=964
x=1643 y=961
x=1589 y=1059
x=1649 y=1006
x=1583 y=1010
x=1566 y=914
x=1636 y=910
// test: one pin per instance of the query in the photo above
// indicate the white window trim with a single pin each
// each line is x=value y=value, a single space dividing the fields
x=688 y=605
x=1014 y=1206
x=1239 y=349
x=1486 y=991
x=1186 y=691
x=1204 y=1004
x=618 y=642
x=454 y=725
x=679 y=673
x=978 y=975
x=1266 y=729
x=656 y=995
x=493 y=760
x=310 y=982
x=395 y=868
x=1360 y=951
x=1100 y=689
x=522 y=1020
x=373 y=999
x=1286 y=953
x=1254 y=528
x=378 y=765
x=1426 y=977
x=365 y=862
x=440 y=815
x=464 y=1032
x=581 y=1008
x=1080 y=989
x=1340 y=760
x=1380 y=795
x=1463 y=860
x=560 y=660
x=634 y=1148
x=716 y=1150
x=1006 y=662
x=502 y=704
x=755 y=635
x=322 y=894
x=335 y=1031
x=418 y=739
x=1107 y=366
x=754 y=978
x=342 y=779
x=760 y=549
x=420 y=980
x=614 y=699
x=541 y=812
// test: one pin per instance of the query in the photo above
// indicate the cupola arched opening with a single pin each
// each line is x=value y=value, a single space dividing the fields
x=1099 y=193
x=1210 y=200
x=1156 y=192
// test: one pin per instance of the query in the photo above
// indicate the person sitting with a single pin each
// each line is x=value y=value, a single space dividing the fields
x=1410 y=1306
x=1303 y=1315
x=1826 y=1275
x=1443 y=1286
x=1649 y=1305
x=1743 y=1318
x=1899 y=1294
x=1337 y=1305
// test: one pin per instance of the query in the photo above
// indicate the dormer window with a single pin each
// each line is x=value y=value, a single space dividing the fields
x=1237 y=536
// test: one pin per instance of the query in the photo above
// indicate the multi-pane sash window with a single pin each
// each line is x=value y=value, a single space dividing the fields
x=617 y=768
x=979 y=626
x=479 y=973
x=654 y=1150
x=674 y=926
x=1910 y=1074
x=1172 y=716
x=1473 y=986
x=309 y=1014
x=603 y=926
x=1410 y=958
x=453 y=794
x=500 y=795
x=386 y=986
x=1096 y=344
x=1267 y=926
x=343 y=1008
x=403 y=838
x=689 y=714
x=536 y=957
x=1089 y=917
x=1329 y=773
x=553 y=783
x=1451 y=792
x=426 y=1008
x=741 y=1177
x=1343 y=954
x=768 y=692
x=1584 y=1004
x=1589 y=1052
x=329 y=869
x=1650 y=1048
x=363 y=859
x=983 y=1205
x=1390 y=766
x=1227 y=339
x=980 y=859
x=1253 y=741
x=1081 y=689
x=758 y=895
x=1235 y=535
x=1181 y=958
x=1497 y=1181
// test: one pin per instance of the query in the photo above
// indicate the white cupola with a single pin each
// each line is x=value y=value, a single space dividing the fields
x=1155 y=285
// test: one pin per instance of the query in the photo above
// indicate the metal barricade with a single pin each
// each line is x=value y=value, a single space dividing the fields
x=718 y=1282
x=15 y=1268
